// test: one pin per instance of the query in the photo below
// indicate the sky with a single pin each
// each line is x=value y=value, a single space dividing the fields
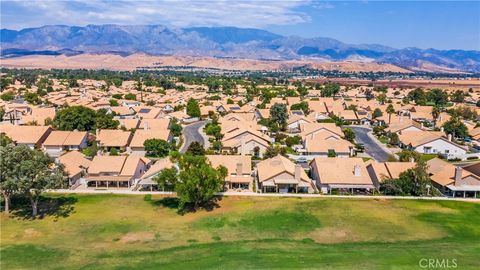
x=399 y=24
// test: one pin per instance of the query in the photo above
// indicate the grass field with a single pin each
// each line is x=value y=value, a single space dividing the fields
x=137 y=232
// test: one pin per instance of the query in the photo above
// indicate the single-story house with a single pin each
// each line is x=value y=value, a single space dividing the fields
x=59 y=141
x=75 y=164
x=31 y=136
x=430 y=142
x=452 y=180
x=239 y=170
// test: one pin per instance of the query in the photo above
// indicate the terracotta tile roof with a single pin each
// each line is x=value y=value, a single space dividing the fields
x=340 y=171
x=113 y=138
x=65 y=138
x=74 y=161
x=269 y=168
x=142 y=135
x=25 y=134
x=230 y=162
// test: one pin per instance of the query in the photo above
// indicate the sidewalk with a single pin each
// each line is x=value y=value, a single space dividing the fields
x=253 y=194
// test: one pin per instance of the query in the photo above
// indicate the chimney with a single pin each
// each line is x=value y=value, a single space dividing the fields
x=401 y=118
x=449 y=137
x=441 y=129
x=352 y=152
x=458 y=175
x=145 y=126
x=239 y=169
x=298 y=172
x=356 y=170
x=97 y=132
x=412 y=160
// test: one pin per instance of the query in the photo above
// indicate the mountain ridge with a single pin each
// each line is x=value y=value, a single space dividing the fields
x=234 y=42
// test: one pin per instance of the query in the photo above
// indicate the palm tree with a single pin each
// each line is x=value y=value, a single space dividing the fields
x=435 y=115
x=390 y=110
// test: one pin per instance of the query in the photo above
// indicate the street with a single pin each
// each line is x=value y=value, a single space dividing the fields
x=191 y=134
x=372 y=148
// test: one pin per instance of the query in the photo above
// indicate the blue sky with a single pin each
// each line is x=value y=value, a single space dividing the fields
x=423 y=24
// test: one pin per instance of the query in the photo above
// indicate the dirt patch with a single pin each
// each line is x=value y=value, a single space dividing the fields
x=331 y=235
x=31 y=233
x=137 y=237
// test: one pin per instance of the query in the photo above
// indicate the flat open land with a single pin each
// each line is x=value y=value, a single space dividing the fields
x=412 y=83
x=137 y=232
x=131 y=62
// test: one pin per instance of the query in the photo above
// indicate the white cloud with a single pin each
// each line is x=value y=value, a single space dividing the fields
x=245 y=13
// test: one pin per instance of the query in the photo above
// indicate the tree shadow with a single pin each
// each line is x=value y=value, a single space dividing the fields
x=57 y=207
x=174 y=203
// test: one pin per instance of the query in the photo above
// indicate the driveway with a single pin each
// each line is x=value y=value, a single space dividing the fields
x=372 y=147
x=191 y=133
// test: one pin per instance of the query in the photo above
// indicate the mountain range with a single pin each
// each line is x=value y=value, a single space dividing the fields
x=222 y=42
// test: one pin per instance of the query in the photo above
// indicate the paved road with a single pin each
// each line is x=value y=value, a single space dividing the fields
x=191 y=134
x=371 y=147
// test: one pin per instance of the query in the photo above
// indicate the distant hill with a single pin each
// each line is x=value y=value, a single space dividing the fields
x=225 y=42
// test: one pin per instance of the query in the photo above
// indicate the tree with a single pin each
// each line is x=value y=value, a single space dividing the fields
x=278 y=114
x=293 y=140
x=412 y=182
x=382 y=98
x=390 y=110
x=195 y=149
x=193 y=109
x=113 y=102
x=394 y=139
x=377 y=113
x=273 y=151
x=156 y=147
x=75 y=117
x=301 y=106
x=29 y=172
x=32 y=98
x=11 y=156
x=455 y=127
x=7 y=96
x=435 y=114
x=130 y=96
x=330 y=90
x=167 y=179
x=104 y=120
x=198 y=182
x=2 y=113
x=349 y=134
x=458 y=96
x=175 y=128
x=418 y=96
x=437 y=96
x=408 y=155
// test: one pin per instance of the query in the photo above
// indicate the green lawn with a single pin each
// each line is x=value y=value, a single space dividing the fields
x=137 y=232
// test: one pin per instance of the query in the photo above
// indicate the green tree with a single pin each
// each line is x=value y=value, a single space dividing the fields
x=7 y=96
x=167 y=179
x=279 y=114
x=75 y=117
x=458 y=96
x=175 y=128
x=301 y=106
x=455 y=127
x=408 y=155
x=412 y=182
x=418 y=96
x=437 y=96
x=390 y=110
x=113 y=102
x=31 y=171
x=394 y=139
x=130 y=96
x=195 y=149
x=435 y=114
x=382 y=98
x=377 y=113
x=349 y=134
x=104 y=120
x=198 y=183
x=156 y=147
x=293 y=140
x=11 y=156
x=330 y=90
x=193 y=109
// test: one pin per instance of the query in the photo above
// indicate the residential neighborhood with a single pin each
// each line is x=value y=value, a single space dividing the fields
x=279 y=142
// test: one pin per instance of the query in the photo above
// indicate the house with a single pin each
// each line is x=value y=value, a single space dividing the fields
x=75 y=164
x=239 y=170
x=406 y=126
x=341 y=174
x=452 y=180
x=324 y=144
x=147 y=180
x=31 y=136
x=113 y=138
x=430 y=142
x=116 y=171
x=380 y=171
x=279 y=174
x=294 y=122
x=141 y=135
x=313 y=128
x=246 y=141
x=59 y=141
